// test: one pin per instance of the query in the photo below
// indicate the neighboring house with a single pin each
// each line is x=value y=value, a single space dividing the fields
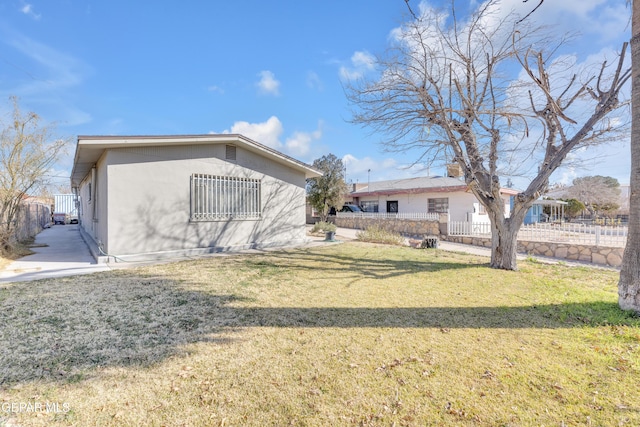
x=425 y=194
x=145 y=197
x=536 y=212
x=563 y=192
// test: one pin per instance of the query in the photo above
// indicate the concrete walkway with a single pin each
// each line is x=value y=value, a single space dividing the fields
x=59 y=251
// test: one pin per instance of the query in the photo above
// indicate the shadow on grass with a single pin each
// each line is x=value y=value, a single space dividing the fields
x=325 y=263
x=544 y=316
x=62 y=330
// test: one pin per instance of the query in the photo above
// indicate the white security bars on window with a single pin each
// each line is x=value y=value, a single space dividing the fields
x=222 y=197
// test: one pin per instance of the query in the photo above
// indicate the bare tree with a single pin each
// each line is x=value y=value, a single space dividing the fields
x=629 y=284
x=27 y=151
x=442 y=90
x=599 y=194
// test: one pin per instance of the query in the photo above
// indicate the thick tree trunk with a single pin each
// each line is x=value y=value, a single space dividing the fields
x=504 y=243
x=629 y=285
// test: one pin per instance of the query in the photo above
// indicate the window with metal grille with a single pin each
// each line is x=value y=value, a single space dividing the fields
x=440 y=205
x=223 y=197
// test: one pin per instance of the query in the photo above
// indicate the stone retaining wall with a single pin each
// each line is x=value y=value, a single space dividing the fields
x=594 y=254
x=601 y=255
x=402 y=226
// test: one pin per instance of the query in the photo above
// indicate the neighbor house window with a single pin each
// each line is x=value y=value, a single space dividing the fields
x=440 y=205
x=481 y=209
x=369 y=206
x=216 y=197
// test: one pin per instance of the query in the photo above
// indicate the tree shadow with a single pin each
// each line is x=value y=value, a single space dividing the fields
x=330 y=264
x=65 y=330
x=550 y=316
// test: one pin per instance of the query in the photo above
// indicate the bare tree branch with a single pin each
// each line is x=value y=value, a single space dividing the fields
x=528 y=14
x=440 y=90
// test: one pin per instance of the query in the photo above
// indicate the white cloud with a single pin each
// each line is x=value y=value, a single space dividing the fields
x=216 y=89
x=27 y=9
x=270 y=132
x=45 y=79
x=367 y=168
x=567 y=175
x=299 y=144
x=607 y=19
x=267 y=133
x=313 y=81
x=57 y=69
x=361 y=63
x=268 y=85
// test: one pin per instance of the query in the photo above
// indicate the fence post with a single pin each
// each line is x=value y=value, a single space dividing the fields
x=446 y=227
x=598 y=235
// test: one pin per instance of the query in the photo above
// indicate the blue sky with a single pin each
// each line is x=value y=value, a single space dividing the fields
x=273 y=71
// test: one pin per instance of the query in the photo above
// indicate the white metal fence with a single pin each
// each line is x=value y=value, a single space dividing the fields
x=466 y=228
x=591 y=235
x=422 y=216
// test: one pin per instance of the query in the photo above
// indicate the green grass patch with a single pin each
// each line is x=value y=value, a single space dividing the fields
x=351 y=334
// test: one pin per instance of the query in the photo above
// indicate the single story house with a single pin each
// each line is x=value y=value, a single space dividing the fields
x=536 y=213
x=430 y=194
x=148 y=197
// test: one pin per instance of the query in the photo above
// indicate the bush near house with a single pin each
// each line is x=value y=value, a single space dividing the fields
x=377 y=234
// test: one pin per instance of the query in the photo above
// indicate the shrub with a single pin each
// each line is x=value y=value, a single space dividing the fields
x=323 y=227
x=377 y=234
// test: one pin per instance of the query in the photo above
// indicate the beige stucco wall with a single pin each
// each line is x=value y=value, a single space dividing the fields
x=148 y=203
x=93 y=204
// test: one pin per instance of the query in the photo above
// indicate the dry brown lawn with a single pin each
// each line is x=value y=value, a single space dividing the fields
x=349 y=334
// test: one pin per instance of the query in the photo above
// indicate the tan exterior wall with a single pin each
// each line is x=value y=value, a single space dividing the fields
x=93 y=198
x=148 y=204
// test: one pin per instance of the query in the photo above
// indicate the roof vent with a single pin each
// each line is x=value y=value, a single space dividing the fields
x=230 y=152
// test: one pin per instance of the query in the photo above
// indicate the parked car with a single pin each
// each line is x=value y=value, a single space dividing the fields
x=60 y=218
x=346 y=208
x=351 y=208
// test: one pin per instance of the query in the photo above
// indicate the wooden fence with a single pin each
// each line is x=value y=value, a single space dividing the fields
x=30 y=219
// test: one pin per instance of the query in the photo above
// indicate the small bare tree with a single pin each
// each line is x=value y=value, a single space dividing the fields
x=442 y=90
x=27 y=151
